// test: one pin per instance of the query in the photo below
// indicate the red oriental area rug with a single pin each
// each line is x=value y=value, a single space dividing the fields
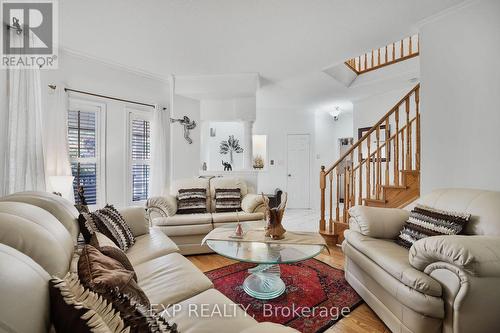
x=316 y=297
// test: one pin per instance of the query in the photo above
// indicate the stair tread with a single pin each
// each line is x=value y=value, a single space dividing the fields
x=400 y=187
x=376 y=200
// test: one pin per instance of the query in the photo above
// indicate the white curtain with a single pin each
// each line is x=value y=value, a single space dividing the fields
x=24 y=169
x=57 y=165
x=160 y=127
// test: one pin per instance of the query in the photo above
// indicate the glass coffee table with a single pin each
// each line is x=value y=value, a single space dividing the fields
x=264 y=282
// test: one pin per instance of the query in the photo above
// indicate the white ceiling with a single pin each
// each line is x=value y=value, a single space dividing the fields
x=288 y=42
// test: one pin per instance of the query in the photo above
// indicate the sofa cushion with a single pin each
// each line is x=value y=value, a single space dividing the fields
x=227 y=183
x=100 y=274
x=109 y=249
x=192 y=201
x=150 y=246
x=227 y=200
x=109 y=222
x=231 y=217
x=425 y=222
x=193 y=314
x=183 y=219
x=75 y=308
x=393 y=259
x=186 y=230
x=191 y=183
x=170 y=279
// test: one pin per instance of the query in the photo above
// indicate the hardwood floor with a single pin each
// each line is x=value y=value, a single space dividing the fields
x=361 y=320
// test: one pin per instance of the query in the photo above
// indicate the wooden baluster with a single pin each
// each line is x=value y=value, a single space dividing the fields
x=403 y=165
x=418 y=43
x=322 y=181
x=393 y=51
x=387 y=151
x=352 y=186
x=331 y=201
x=386 y=55
x=372 y=64
x=408 y=136
x=346 y=200
x=337 y=211
x=374 y=169
x=396 y=148
x=402 y=50
x=366 y=62
x=368 y=187
x=377 y=159
x=360 y=180
x=417 y=139
x=358 y=66
x=378 y=57
x=410 y=46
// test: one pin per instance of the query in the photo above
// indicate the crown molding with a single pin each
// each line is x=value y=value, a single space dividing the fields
x=444 y=13
x=116 y=65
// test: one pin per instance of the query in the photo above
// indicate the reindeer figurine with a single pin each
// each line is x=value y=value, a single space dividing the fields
x=274 y=228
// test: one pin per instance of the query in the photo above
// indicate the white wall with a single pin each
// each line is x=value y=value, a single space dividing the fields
x=277 y=123
x=222 y=130
x=86 y=74
x=184 y=157
x=327 y=133
x=233 y=109
x=460 y=98
x=367 y=112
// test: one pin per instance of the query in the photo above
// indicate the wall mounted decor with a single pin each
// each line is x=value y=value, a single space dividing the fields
x=384 y=134
x=230 y=146
x=188 y=125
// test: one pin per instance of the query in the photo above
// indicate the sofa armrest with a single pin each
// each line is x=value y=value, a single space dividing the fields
x=252 y=203
x=377 y=222
x=165 y=205
x=135 y=217
x=476 y=255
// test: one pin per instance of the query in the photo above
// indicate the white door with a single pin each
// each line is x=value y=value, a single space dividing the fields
x=298 y=161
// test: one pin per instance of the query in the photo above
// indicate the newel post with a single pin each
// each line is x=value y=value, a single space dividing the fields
x=322 y=186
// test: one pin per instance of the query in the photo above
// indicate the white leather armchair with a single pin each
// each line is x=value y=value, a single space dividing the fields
x=443 y=283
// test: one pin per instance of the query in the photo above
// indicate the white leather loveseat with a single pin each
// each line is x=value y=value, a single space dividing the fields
x=188 y=230
x=443 y=283
x=38 y=232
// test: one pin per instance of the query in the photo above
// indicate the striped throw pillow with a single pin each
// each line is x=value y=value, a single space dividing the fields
x=192 y=201
x=109 y=222
x=425 y=222
x=227 y=200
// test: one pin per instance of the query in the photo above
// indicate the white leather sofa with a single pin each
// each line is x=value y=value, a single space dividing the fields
x=38 y=232
x=188 y=230
x=443 y=283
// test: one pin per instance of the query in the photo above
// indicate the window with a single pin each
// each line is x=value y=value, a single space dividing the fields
x=83 y=151
x=140 y=152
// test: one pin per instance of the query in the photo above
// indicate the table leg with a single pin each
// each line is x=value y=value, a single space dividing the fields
x=264 y=282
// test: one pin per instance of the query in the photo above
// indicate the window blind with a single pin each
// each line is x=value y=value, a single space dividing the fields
x=82 y=140
x=141 y=155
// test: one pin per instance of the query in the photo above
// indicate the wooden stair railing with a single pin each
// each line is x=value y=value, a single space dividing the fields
x=379 y=162
x=404 y=49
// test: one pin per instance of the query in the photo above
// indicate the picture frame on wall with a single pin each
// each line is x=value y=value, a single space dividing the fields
x=373 y=143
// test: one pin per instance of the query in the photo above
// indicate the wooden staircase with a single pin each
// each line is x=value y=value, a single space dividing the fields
x=382 y=169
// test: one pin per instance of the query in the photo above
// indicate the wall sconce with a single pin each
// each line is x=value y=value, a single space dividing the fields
x=212 y=132
x=336 y=113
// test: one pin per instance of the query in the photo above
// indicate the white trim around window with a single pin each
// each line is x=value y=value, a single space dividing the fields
x=138 y=161
x=76 y=104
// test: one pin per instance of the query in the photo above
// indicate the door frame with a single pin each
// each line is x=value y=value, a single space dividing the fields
x=308 y=173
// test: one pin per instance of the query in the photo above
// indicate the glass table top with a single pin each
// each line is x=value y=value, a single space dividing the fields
x=264 y=253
